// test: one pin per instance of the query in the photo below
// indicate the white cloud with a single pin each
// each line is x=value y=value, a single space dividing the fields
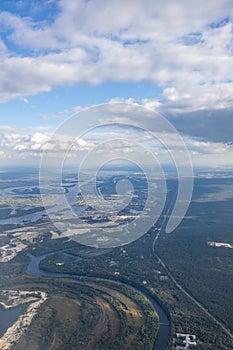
x=184 y=47
x=203 y=97
x=113 y=141
x=172 y=44
x=23 y=144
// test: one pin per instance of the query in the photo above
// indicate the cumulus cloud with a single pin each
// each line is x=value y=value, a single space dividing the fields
x=26 y=145
x=184 y=47
x=209 y=125
x=114 y=140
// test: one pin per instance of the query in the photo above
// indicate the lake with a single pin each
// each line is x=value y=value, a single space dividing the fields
x=8 y=317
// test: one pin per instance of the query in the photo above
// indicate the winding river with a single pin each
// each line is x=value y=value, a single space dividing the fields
x=162 y=338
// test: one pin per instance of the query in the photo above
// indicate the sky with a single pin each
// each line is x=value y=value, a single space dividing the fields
x=58 y=57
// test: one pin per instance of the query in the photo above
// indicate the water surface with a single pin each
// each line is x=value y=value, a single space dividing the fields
x=8 y=317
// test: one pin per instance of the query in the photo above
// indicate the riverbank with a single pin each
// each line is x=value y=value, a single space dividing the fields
x=163 y=334
x=12 y=299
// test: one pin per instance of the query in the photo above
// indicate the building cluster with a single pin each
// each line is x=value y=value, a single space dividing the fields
x=188 y=340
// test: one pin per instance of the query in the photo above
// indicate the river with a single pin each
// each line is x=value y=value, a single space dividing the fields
x=162 y=338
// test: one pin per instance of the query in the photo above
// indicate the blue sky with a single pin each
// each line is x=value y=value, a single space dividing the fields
x=52 y=107
x=172 y=57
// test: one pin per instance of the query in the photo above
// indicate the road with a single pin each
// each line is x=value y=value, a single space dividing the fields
x=182 y=289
